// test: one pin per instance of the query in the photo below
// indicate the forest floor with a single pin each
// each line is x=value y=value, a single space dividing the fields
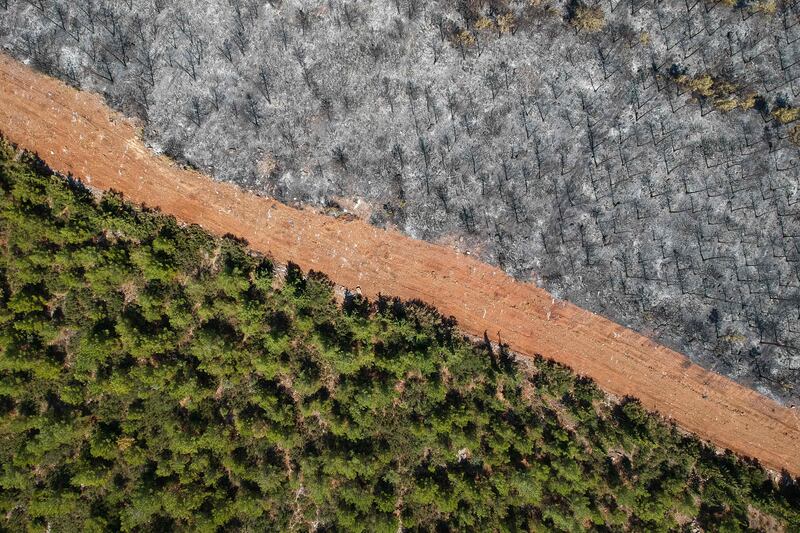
x=76 y=133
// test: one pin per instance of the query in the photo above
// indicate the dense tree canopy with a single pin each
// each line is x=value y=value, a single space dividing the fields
x=153 y=377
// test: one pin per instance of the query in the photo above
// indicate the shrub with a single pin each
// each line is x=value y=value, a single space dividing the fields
x=588 y=19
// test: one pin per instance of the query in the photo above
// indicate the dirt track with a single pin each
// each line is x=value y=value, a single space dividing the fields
x=74 y=132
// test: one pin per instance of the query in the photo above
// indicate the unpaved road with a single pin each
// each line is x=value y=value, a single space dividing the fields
x=74 y=132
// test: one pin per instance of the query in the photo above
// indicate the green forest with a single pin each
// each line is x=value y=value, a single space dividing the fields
x=154 y=377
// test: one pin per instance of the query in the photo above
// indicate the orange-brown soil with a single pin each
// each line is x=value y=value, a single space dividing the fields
x=74 y=132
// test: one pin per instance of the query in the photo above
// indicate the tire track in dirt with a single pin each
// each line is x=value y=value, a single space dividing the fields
x=76 y=133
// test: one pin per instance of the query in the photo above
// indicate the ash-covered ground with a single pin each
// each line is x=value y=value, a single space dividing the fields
x=639 y=159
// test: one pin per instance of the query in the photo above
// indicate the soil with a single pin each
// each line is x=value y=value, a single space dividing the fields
x=76 y=133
